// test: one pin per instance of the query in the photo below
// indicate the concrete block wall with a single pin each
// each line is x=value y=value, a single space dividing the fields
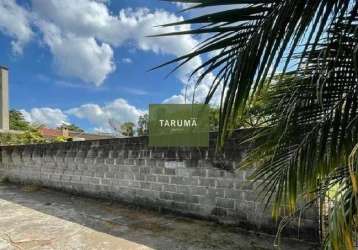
x=191 y=181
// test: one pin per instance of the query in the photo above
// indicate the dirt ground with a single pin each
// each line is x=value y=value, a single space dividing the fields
x=40 y=218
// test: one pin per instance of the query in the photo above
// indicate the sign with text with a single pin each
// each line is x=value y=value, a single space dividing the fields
x=173 y=125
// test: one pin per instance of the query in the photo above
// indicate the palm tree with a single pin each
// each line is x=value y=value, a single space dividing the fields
x=305 y=52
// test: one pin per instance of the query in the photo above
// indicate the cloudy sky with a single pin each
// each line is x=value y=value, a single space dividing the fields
x=87 y=61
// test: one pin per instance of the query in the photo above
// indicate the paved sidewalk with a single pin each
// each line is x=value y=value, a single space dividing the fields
x=32 y=218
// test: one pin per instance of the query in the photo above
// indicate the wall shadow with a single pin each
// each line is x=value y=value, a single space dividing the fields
x=149 y=228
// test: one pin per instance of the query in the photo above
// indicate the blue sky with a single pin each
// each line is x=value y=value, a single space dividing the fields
x=87 y=63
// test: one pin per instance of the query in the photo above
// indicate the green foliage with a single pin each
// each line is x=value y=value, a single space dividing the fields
x=71 y=127
x=309 y=149
x=8 y=139
x=27 y=134
x=142 y=127
x=214 y=116
x=61 y=139
x=27 y=137
x=17 y=121
x=252 y=118
x=250 y=41
x=309 y=142
x=127 y=129
x=30 y=137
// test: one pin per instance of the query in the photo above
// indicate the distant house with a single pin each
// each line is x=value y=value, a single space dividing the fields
x=52 y=134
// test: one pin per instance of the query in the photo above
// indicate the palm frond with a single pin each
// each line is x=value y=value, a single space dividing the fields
x=307 y=146
x=314 y=130
x=258 y=36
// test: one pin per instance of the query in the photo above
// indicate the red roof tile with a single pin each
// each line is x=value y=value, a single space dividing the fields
x=49 y=132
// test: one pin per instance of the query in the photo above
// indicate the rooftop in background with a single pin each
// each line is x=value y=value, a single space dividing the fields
x=50 y=133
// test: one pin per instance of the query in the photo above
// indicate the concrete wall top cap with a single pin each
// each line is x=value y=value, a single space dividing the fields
x=4 y=67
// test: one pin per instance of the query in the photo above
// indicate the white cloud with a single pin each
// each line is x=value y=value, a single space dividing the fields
x=142 y=22
x=45 y=116
x=85 y=18
x=127 y=60
x=206 y=10
x=92 y=19
x=82 y=36
x=14 y=22
x=199 y=92
x=78 y=56
x=118 y=111
x=135 y=91
x=175 y=99
x=69 y=31
x=184 y=5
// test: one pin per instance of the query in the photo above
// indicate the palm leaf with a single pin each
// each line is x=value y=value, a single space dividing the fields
x=261 y=32
x=311 y=104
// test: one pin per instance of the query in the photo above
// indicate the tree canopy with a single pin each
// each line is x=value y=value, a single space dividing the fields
x=304 y=54
x=71 y=127
x=142 y=126
x=17 y=121
x=127 y=129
